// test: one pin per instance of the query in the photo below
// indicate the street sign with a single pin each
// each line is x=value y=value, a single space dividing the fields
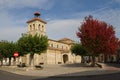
x=16 y=54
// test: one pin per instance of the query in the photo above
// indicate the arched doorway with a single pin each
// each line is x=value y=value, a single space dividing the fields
x=65 y=58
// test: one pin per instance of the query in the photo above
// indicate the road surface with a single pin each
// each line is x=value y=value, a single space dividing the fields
x=11 y=76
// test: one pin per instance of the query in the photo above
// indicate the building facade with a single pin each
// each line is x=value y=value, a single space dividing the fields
x=58 y=51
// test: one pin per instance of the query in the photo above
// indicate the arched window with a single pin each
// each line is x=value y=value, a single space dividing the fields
x=42 y=28
x=51 y=45
x=39 y=27
x=33 y=26
x=30 y=27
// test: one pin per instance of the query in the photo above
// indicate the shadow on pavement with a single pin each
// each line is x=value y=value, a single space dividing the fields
x=76 y=65
x=87 y=75
x=117 y=65
x=113 y=76
x=4 y=75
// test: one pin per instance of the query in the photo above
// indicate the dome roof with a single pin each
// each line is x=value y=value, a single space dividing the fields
x=37 y=13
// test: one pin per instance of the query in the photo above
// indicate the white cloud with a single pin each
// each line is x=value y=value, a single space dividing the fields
x=5 y=19
x=10 y=4
x=10 y=29
x=57 y=29
x=118 y=1
x=11 y=33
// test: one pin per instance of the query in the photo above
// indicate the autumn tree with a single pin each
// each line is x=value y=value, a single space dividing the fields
x=97 y=37
x=32 y=45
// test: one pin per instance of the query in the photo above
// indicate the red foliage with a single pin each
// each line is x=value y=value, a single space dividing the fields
x=98 y=37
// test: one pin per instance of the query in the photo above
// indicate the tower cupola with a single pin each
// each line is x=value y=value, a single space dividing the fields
x=37 y=14
x=36 y=25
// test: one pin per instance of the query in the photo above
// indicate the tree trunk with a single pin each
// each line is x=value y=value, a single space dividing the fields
x=31 y=63
x=82 y=60
x=1 y=62
x=9 y=61
x=93 y=61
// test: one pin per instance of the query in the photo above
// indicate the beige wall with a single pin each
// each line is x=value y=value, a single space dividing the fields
x=59 y=46
x=54 y=56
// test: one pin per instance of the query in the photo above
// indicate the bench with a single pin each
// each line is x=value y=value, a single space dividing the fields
x=59 y=62
x=41 y=63
x=38 y=67
x=21 y=65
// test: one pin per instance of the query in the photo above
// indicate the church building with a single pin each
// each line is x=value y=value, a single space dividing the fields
x=58 y=51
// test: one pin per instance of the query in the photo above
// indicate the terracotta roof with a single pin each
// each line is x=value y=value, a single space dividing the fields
x=56 y=41
x=34 y=19
x=64 y=39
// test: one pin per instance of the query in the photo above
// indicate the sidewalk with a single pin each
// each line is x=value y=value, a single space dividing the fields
x=63 y=70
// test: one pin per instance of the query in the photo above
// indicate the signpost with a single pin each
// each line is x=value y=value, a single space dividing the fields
x=16 y=54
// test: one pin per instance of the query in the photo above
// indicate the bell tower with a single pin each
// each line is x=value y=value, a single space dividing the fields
x=36 y=25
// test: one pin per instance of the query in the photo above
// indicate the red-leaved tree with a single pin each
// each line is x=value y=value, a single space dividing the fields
x=97 y=37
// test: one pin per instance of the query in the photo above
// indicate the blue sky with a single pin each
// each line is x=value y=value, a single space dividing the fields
x=63 y=17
